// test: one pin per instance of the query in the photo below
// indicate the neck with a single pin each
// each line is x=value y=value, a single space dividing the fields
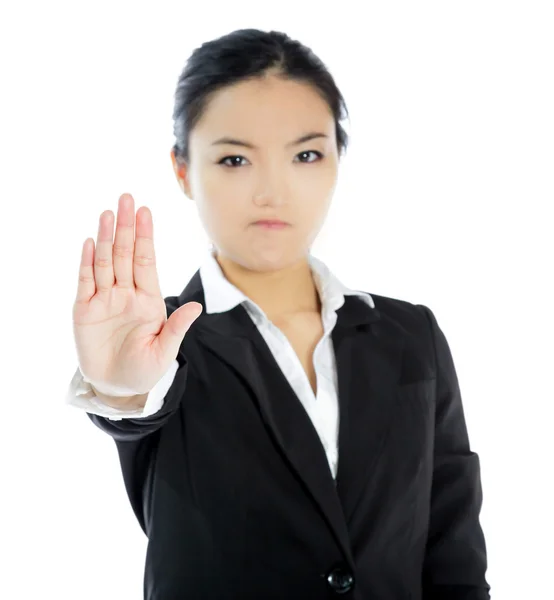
x=280 y=294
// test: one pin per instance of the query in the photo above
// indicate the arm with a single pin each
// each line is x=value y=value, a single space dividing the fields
x=129 y=404
x=455 y=559
x=131 y=422
x=82 y=394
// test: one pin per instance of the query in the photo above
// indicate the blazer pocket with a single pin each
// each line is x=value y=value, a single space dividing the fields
x=418 y=384
x=420 y=392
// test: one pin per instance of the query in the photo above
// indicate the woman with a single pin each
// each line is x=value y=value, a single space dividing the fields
x=301 y=439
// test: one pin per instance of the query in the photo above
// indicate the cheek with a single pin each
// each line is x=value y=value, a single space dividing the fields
x=319 y=185
x=213 y=183
x=224 y=192
x=223 y=214
x=224 y=182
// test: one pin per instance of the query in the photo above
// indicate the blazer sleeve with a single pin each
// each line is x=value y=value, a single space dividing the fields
x=132 y=429
x=455 y=559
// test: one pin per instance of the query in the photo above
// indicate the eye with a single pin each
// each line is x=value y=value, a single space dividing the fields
x=222 y=161
x=320 y=156
x=236 y=163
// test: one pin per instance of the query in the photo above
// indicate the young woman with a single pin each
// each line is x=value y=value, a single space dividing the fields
x=298 y=439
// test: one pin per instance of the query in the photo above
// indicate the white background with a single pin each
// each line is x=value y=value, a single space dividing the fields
x=445 y=198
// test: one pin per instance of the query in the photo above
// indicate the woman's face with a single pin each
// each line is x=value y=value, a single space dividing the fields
x=235 y=185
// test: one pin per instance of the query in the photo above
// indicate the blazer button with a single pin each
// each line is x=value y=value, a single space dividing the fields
x=340 y=580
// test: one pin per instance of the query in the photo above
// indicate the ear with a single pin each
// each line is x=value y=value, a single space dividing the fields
x=180 y=169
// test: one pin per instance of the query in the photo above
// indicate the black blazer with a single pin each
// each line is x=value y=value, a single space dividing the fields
x=230 y=482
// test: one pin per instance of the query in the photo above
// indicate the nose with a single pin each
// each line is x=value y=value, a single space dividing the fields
x=271 y=188
x=272 y=195
x=268 y=199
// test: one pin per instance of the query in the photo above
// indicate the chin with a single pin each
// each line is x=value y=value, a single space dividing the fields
x=275 y=259
x=259 y=257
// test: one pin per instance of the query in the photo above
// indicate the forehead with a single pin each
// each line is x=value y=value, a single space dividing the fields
x=270 y=107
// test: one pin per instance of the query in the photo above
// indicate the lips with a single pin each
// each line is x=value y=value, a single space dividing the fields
x=271 y=224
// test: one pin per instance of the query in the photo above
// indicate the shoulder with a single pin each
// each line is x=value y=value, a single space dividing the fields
x=414 y=324
x=411 y=316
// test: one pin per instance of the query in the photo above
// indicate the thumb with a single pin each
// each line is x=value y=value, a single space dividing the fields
x=175 y=328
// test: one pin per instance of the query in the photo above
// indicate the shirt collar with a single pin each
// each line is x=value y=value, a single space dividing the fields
x=220 y=295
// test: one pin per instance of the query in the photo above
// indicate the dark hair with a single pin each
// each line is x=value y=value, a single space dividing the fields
x=248 y=54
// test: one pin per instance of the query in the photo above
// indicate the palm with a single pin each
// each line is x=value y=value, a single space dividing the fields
x=119 y=317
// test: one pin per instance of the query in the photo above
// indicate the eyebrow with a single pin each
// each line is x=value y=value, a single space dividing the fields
x=301 y=140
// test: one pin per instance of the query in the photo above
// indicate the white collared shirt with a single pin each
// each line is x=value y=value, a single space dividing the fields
x=221 y=295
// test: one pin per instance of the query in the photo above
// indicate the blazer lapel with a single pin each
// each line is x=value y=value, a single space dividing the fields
x=368 y=369
x=369 y=361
